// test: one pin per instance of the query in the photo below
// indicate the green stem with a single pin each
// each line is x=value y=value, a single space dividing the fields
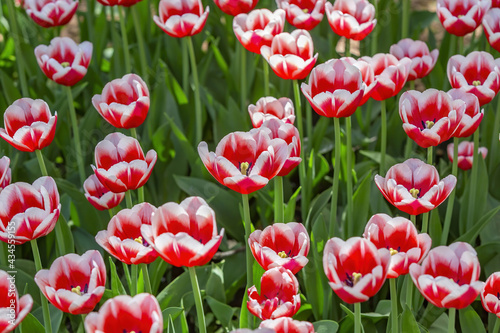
x=197 y=102
x=279 y=211
x=374 y=39
x=357 y=317
x=394 y=306
x=304 y=202
x=409 y=291
x=413 y=219
x=494 y=138
x=473 y=181
x=430 y=155
x=451 y=199
x=425 y=222
x=185 y=66
x=147 y=281
x=336 y=176
x=41 y=163
x=383 y=135
x=406 y=19
x=243 y=78
x=249 y=260
x=76 y=135
x=496 y=328
x=461 y=46
x=350 y=206
x=121 y=14
x=265 y=66
x=197 y=300
x=128 y=198
x=133 y=132
x=133 y=269
x=17 y=49
x=451 y=320
x=347 y=47
x=45 y=304
x=127 y=276
x=140 y=42
x=111 y=214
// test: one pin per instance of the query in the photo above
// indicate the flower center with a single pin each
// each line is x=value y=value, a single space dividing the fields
x=353 y=279
x=282 y=254
x=305 y=10
x=414 y=193
x=393 y=251
x=65 y=64
x=138 y=240
x=429 y=124
x=77 y=290
x=476 y=83
x=244 y=168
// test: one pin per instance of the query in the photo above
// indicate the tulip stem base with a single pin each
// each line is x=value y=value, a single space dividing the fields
x=383 y=136
x=451 y=320
x=249 y=260
x=126 y=55
x=357 y=317
x=76 y=135
x=473 y=181
x=394 y=306
x=197 y=102
x=41 y=162
x=278 y=200
x=350 y=206
x=43 y=299
x=147 y=281
x=197 y=300
x=336 y=176
x=304 y=202
x=451 y=199
x=496 y=328
x=140 y=42
x=265 y=67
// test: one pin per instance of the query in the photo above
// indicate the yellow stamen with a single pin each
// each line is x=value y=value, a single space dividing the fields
x=460 y=16
x=356 y=277
x=65 y=64
x=282 y=254
x=77 y=290
x=305 y=10
x=429 y=124
x=392 y=251
x=476 y=83
x=138 y=240
x=414 y=193
x=244 y=168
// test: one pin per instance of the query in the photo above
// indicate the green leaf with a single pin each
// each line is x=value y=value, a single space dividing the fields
x=472 y=233
x=116 y=283
x=470 y=320
x=170 y=314
x=361 y=202
x=64 y=237
x=31 y=325
x=223 y=312
x=408 y=322
x=215 y=283
x=325 y=326
x=290 y=207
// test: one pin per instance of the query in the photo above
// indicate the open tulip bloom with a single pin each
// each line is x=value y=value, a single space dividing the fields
x=13 y=309
x=472 y=116
x=303 y=14
x=465 y=154
x=352 y=19
x=51 y=13
x=287 y=325
x=491 y=25
x=460 y=17
x=489 y=294
x=269 y=107
x=235 y=7
x=181 y=18
x=422 y=61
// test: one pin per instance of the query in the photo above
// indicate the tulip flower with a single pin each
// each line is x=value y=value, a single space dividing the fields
x=29 y=125
x=99 y=195
x=258 y=330
x=401 y=237
x=414 y=186
x=50 y=13
x=245 y=161
x=335 y=89
x=123 y=313
x=28 y=211
x=491 y=25
x=303 y=14
x=181 y=18
x=355 y=268
x=281 y=245
x=258 y=28
x=271 y=108
x=5 y=172
x=489 y=294
x=12 y=308
x=472 y=116
x=287 y=325
x=120 y=163
x=430 y=117
x=74 y=284
x=422 y=61
x=477 y=73
x=184 y=234
x=64 y=61
x=495 y=3
x=448 y=276
x=124 y=102
x=291 y=55
x=235 y=7
x=124 y=3
x=352 y=19
x=465 y=154
x=460 y=17
x=278 y=295
x=123 y=239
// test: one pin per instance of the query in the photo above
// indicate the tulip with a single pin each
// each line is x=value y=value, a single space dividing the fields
x=123 y=239
x=51 y=13
x=99 y=195
x=278 y=295
x=258 y=330
x=472 y=116
x=422 y=61
x=477 y=73
x=448 y=276
x=124 y=102
x=495 y=3
x=5 y=172
x=235 y=7
x=489 y=294
x=74 y=284
x=460 y=17
x=245 y=161
x=124 y=3
x=414 y=186
x=120 y=163
x=12 y=308
x=184 y=234
x=491 y=25
x=465 y=154
x=258 y=28
x=281 y=245
x=335 y=89
x=351 y=19
x=271 y=108
x=431 y=117
x=29 y=125
x=28 y=211
x=287 y=325
x=181 y=18
x=123 y=313
x=291 y=55
x=401 y=237
x=355 y=268
x=63 y=61
x=303 y=14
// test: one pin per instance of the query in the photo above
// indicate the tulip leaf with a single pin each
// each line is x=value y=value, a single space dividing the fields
x=116 y=284
x=489 y=257
x=290 y=207
x=431 y=314
x=223 y=312
x=169 y=315
x=375 y=156
x=64 y=237
x=84 y=241
x=215 y=283
x=472 y=233
x=325 y=326
x=31 y=325
x=408 y=322
x=361 y=200
x=470 y=320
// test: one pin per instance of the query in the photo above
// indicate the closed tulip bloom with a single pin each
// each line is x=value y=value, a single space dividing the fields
x=430 y=117
x=460 y=17
x=465 y=154
x=124 y=103
x=123 y=238
x=414 y=187
x=29 y=125
x=491 y=25
x=99 y=195
x=124 y=3
x=401 y=237
x=291 y=55
x=184 y=234
x=303 y=14
x=235 y=7
x=448 y=276
x=12 y=308
x=472 y=116
x=422 y=61
x=489 y=294
x=181 y=18
x=351 y=19
x=123 y=313
x=281 y=245
x=50 y=13
x=287 y=325
x=74 y=284
x=271 y=108
x=121 y=164
x=335 y=89
x=258 y=28
x=245 y=161
x=5 y=172
x=477 y=73
x=28 y=211
x=64 y=61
